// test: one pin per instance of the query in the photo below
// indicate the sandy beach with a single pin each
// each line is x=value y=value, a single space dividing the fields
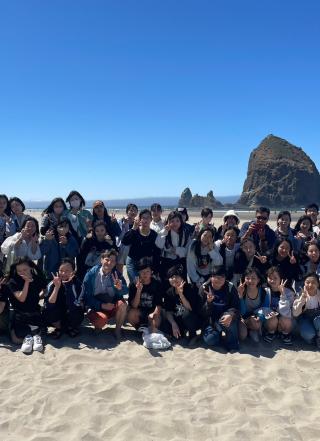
x=91 y=389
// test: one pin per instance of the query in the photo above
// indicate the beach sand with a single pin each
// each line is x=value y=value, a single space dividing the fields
x=90 y=389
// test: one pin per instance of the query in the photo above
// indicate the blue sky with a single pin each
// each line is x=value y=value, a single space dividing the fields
x=143 y=98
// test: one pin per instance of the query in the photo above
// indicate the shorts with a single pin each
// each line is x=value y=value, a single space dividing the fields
x=100 y=318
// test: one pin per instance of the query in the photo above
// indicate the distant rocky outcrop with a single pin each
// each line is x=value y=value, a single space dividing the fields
x=280 y=175
x=197 y=201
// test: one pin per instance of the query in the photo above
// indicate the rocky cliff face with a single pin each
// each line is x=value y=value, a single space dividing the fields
x=196 y=201
x=280 y=175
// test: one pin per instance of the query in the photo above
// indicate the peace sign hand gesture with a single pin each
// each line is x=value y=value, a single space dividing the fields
x=180 y=288
x=262 y=259
x=241 y=289
x=117 y=283
x=293 y=260
x=56 y=280
x=139 y=285
x=282 y=286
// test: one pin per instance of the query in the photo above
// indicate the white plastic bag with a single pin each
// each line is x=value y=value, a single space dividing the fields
x=154 y=340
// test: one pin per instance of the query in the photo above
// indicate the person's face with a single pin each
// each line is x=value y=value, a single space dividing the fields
x=206 y=238
x=63 y=229
x=249 y=249
x=284 y=222
x=305 y=225
x=108 y=263
x=132 y=213
x=313 y=253
x=145 y=220
x=145 y=276
x=66 y=272
x=175 y=280
x=217 y=282
x=313 y=213
x=230 y=238
x=30 y=228
x=262 y=218
x=251 y=280
x=311 y=285
x=207 y=219
x=58 y=208
x=100 y=232
x=284 y=249
x=274 y=280
x=23 y=270
x=3 y=205
x=16 y=208
x=231 y=221
x=75 y=201
x=175 y=224
x=156 y=215
x=99 y=210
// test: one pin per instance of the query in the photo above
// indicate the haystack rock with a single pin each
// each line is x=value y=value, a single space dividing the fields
x=197 y=201
x=280 y=175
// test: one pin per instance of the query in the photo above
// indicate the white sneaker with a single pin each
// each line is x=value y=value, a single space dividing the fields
x=27 y=344
x=37 y=343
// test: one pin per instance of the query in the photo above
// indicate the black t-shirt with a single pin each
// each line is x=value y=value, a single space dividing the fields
x=68 y=295
x=173 y=303
x=151 y=295
x=4 y=294
x=31 y=304
x=142 y=246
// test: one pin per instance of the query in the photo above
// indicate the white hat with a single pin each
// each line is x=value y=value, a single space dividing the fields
x=231 y=213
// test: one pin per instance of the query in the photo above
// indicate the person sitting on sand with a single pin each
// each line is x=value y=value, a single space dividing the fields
x=181 y=305
x=63 y=307
x=26 y=284
x=307 y=310
x=145 y=298
x=258 y=230
x=203 y=255
x=220 y=311
x=102 y=292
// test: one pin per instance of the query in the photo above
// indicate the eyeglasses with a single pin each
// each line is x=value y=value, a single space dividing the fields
x=262 y=218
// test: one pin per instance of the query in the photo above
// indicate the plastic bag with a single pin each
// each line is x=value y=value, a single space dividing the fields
x=154 y=340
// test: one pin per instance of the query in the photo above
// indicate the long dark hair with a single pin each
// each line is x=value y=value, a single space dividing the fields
x=300 y=220
x=182 y=231
x=7 y=210
x=16 y=199
x=76 y=193
x=23 y=260
x=49 y=208
x=33 y=219
x=197 y=246
x=276 y=245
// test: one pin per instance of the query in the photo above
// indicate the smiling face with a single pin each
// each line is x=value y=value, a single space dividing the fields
x=175 y=224
x=284 y=222
x=305 y=226
x=100 y=232
x=108 y=263
x=16 y=208
x=274 y=280
x=252 y=280
x=99 y=211
x=284 y=249
x=30 y=228
x=145 y=221
x=206 y=238
x=313 y=253
x=132 y=213
x=249 y=249
x=156 y=215
x=311 y=285
x=230 y=238
x=63 y=229
x=217 y=282
x=145 y=276
x=313 y=213
x=66 y=272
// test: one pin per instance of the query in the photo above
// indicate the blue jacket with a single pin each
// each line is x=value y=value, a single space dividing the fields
x=88 y=287
x=265 y=303
x=53 y=252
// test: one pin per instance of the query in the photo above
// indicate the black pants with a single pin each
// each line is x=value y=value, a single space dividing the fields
x=187 y=322
x=21 y=322
x=69 y=318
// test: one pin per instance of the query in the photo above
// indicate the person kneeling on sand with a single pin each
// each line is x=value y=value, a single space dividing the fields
x=145 y=298
x=220 y=311
x=103 y=290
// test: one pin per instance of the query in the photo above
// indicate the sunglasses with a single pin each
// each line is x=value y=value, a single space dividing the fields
x=262 y=218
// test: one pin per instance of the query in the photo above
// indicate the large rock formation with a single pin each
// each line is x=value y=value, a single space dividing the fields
x=280 y=175
x=196 y=201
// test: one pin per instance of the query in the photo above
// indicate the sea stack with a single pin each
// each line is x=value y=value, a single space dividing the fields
x=280 y=175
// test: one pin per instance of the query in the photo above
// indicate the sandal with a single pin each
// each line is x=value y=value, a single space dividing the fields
x=56 y=334
x=73 y=332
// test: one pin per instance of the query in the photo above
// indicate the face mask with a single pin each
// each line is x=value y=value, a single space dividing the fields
x=75 y=203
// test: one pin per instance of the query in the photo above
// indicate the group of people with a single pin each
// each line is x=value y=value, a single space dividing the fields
x=222 y=285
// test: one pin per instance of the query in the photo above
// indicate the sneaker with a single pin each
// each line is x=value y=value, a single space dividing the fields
x=27 y=344
x=254 y=335
x=37 y=343
x=286 y=339
x=269 y=337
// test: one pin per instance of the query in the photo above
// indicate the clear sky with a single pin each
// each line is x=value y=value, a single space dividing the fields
x=145 y=97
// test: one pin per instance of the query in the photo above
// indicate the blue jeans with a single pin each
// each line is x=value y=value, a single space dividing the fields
x=309 y=327
x=213 y=337
x=131 y=269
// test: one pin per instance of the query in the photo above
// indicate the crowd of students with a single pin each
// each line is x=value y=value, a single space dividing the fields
x=222 y=284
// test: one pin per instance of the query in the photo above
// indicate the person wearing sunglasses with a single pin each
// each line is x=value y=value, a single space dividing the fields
x=258 y=230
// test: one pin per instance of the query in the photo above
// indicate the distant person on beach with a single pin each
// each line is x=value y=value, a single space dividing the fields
x=17 y=216
x=202 y=256
x=312 y=210
x=307 y=310
x=26 y=284
x=230 y=219
x=157 y=224
x=142 y=242
x=173 y=241
x=103 y=290
x=63 y=308
x=53 y=214
x=145 y=298
x=181 y=305
x=100 y=213
x=220 y=311
x=262 y=235
x=23 y=244
x=80 y=218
